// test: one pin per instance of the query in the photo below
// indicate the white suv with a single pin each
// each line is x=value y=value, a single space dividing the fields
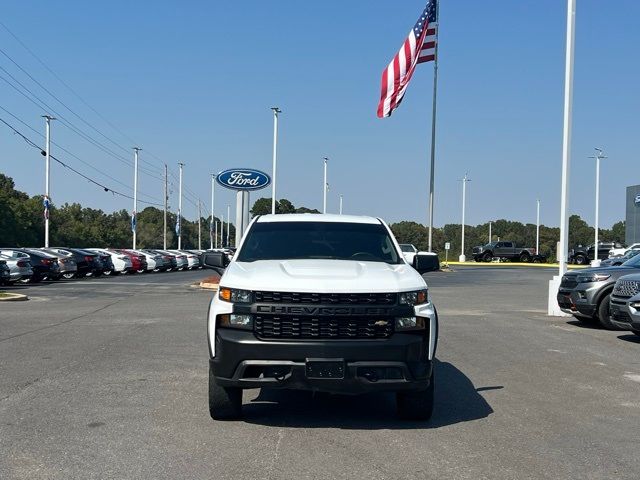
x=322 y=303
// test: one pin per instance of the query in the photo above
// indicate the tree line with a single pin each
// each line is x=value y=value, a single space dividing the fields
x=71 y=224
x=22 y=224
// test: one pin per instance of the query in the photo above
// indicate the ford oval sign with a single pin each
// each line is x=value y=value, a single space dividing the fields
x=243 y=179
x=637 y=201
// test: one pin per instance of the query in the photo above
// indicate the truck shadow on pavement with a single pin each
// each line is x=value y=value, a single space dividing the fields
x=457 y=400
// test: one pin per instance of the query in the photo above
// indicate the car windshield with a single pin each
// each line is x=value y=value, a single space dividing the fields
x=633 y=262
x=314 y=240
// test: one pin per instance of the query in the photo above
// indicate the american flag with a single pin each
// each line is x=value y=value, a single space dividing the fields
x=419 y=47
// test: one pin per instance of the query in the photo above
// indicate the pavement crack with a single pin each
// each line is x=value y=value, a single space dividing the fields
x=61 y=323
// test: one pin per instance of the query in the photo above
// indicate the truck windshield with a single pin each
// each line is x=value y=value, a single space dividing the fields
x=314 y=240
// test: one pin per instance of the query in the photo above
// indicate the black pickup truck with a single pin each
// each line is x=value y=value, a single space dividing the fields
x=508 y=250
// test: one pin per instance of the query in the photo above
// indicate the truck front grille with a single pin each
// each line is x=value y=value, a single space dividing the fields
x=569 y=282
x=327 y=298
x=626 y=288
x=291 y=327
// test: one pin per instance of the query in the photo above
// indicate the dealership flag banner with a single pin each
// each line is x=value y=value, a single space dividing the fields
x=133 y=222
x=178 y=224
x=46 y=204
x=419 y=47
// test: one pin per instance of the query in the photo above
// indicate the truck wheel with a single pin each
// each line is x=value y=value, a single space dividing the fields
x=416 y=405
x=224 y=403
x=603 y=314
x=487 y=257
x=580 y=260
x=525 y=258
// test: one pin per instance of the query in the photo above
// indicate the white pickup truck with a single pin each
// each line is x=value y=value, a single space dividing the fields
x=322 y=303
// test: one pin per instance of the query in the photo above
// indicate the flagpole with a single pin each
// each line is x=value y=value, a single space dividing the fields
x=433 y=128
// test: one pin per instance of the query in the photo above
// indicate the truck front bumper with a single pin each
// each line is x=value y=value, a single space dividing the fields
x=400 y=362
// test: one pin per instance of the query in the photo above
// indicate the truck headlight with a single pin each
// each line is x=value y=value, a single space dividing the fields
x=592 y=277
x=404 y=324
x=235 y=320
x=234 y=295
x=413 y=298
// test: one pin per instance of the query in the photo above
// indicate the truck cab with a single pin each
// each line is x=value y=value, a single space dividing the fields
x=322 y=303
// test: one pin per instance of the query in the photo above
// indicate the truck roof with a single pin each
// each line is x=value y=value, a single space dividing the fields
x=315 y=217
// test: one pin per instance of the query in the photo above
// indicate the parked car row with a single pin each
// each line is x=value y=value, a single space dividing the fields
x=607 y=295
x=36 y=264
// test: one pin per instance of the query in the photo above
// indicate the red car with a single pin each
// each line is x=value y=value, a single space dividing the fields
x=138 y=262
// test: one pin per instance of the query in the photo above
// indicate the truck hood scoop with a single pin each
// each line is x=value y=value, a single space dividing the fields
x=322 y=276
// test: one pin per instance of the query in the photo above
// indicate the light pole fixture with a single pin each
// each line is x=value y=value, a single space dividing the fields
x=598 y=156
x=276 y=112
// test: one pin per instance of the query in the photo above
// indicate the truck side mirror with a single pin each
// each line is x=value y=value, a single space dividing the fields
x=215 y=260
x=425 y=262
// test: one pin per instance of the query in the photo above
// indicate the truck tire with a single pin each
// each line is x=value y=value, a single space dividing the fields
x=525 y=257
x=224 y=403
x=416 y=405
x=580 y=260
x=487 y=257
x=603 y=313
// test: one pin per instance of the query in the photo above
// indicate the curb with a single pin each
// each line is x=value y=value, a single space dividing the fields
x=514 y=264
x=13 y=297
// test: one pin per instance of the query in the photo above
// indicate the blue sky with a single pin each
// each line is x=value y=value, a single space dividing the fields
x=193 y=82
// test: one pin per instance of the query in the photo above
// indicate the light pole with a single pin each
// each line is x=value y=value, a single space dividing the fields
x=538 y=227
x=463 y=258
x=47 y=178
x=325 y=185
x=598 y=156
x=490 y=236
x=340 y=204
x=222 y=231
x=134 y=217
x=213 y=218
x=166 y=199
x=180 y=208
x=276 y=111
x=228 y=224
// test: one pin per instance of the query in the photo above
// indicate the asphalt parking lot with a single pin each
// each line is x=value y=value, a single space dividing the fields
x=107 y=378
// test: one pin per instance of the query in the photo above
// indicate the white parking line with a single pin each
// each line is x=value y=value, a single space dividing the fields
x=634 y=377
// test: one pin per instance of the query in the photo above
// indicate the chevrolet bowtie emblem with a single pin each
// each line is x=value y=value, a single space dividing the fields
x=381 y=323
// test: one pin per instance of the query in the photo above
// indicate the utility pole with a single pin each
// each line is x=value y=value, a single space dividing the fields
x=228 y=224
x=47 y=178
x=199 y=225
x=598 y=156
x=538 y=227
x=276 y=111
x=326 y=185
x=180 y=208
x=566 y=140
x=134 y=217
x=463 y=258
x=166 y=198
x=213 y=217
x=340 y=204
x=222 y=231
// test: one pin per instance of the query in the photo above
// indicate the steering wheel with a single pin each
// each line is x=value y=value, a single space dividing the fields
x=364 y=254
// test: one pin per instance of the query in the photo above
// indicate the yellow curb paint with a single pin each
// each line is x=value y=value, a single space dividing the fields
x=511 y=264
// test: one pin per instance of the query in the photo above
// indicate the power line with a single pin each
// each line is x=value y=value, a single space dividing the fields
x=89 y=179
x=76 y=94
x=40 y=103
x=75 y=156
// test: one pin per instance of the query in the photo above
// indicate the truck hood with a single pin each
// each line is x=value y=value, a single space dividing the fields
x=322 y=276
x=617 y=271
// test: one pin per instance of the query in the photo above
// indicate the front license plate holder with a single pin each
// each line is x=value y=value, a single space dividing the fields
x=325 y=368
